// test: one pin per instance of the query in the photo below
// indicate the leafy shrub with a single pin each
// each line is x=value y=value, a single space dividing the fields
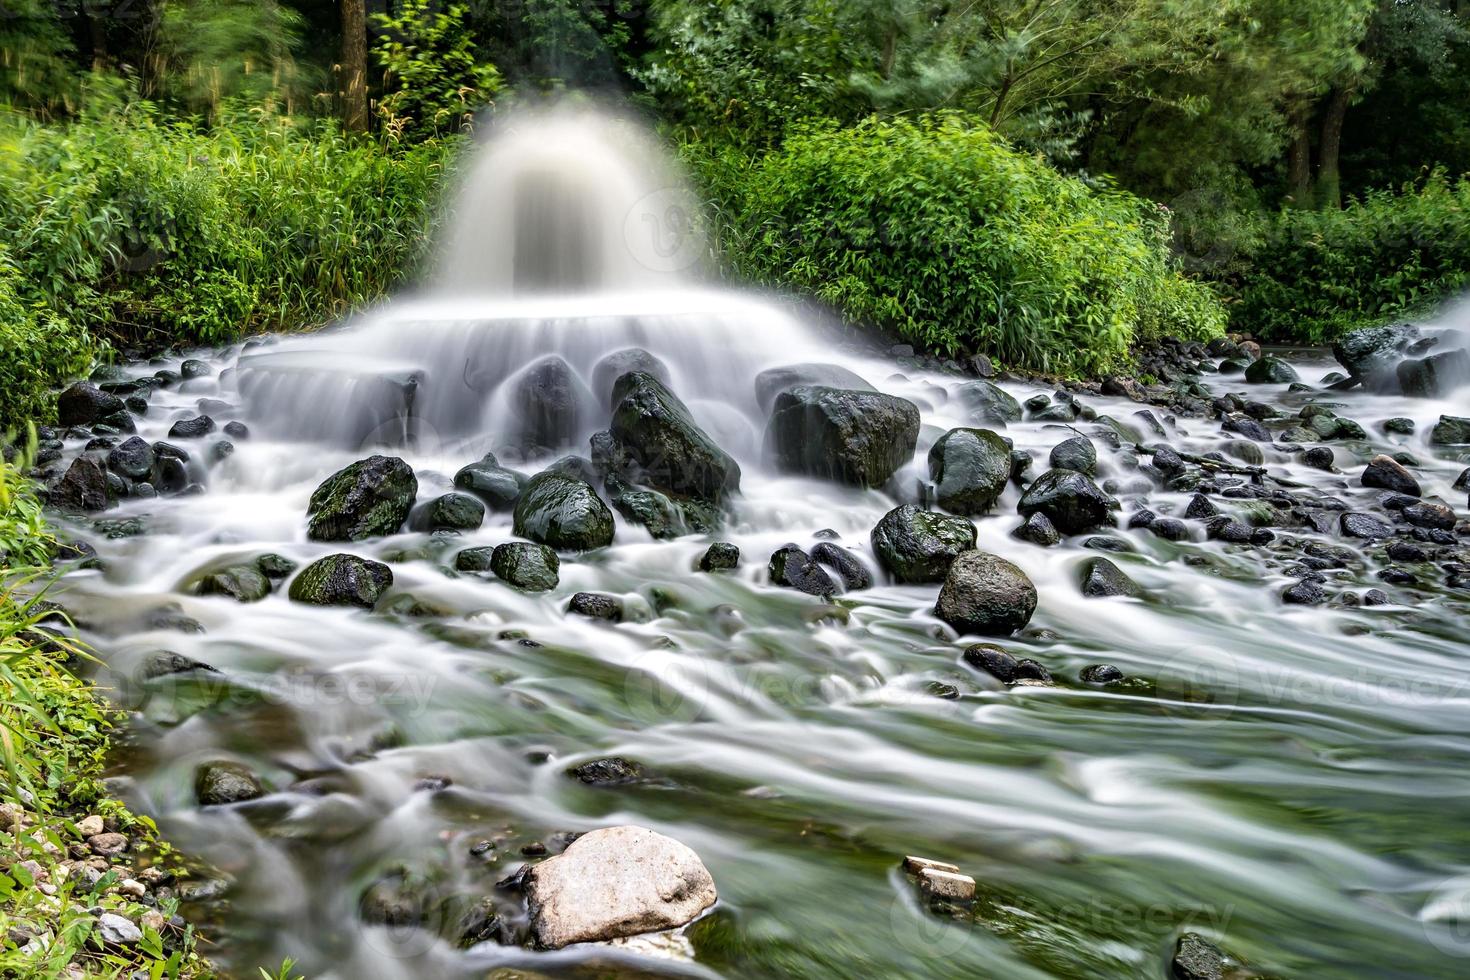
x=142 y=231
x=1317 y=274
x=37 y=351
x=940 y=231
x=432 y=78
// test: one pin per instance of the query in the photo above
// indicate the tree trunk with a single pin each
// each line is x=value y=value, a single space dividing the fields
x=354 y=66
x=1329 y=176
x=1299 y=158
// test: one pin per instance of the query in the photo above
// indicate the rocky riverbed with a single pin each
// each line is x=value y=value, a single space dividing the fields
x=1170 y=668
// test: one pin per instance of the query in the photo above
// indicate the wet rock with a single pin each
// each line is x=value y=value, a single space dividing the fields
x=720 y=557
x=451 y=512
x=341 y=580
x=84 y=486
x=1371 y=354
x=243 y=583
x=619 y=881
x=1231 y=531
x=1365 y=526
x=529 y=567
x=194 y=368
x=132 y=459
x=950 y=886
x=84 y=403
x=1450 y=430
x=497 y=487
x=1101 y=674
x=918 y=546
x=564 y=513
x=1200 y=508
x=970 y=468
x=1386 y=473
x=853 y=574
x=856 y=437
x=985 y=594
x=1170 y=529
x=166 y=662
x=1002 y=666
x=370 y=498
x=1100 y=578
x=550 y=404
x=773 y=382
x=595 y=605
x=1375 y=597
x=1436 y=375
x=793 y=568
x=609 y=369
x=987 y=404
x=221 y=783
x=1307 y=592
x=1197 y=959
x=1430 y=514
x=1246 y=426
x=1038 y=530
x=656 y=512
x=1076 y=453
x=657 y=435
x=474 y=559
x=1070 y=499
x=238 y=431
x=612 y=771
x=195 y=428
x=1319 y=458
x=1270 y=370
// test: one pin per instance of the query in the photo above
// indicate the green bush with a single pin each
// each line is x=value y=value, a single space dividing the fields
x=939 y=231
x=37 y=351
x=148 y=232
x=433 y=81
x=1319 y=273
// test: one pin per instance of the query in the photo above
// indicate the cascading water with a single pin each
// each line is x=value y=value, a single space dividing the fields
x=1284 y=779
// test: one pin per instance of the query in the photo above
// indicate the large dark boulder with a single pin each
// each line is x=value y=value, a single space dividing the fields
x=917 y=546
x=1371 y=354
x=856 y=437
x=84 y=403
x=970 y=468
x=132 y=459
x=610 y=368
x=564 y=512
x=985 y=594
x=1070 y=499
x=82 y=487
x=1450 y=430
x=495 y=485
x=1076 y=453
x=550 y=403
x=657 y=435
x=987 y=404
x=793 y=568
x=774 y=381
x=1434 y=376
x=1270 y=370
x=368 y=499
x=1387 y=473
x=341 y=580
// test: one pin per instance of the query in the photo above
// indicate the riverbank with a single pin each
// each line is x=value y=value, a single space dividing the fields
x=87 y=888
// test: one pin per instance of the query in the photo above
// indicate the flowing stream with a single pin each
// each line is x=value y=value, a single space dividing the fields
x=1289 y=781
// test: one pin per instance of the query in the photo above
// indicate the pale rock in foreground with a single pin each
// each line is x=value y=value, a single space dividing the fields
x=619 y=881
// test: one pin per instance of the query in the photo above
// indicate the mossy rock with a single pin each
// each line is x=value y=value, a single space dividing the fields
x=342 y=580
x=370 y=498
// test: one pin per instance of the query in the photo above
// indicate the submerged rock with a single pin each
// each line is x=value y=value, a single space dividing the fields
x=221 y=783
x=610 y=368
x=341 y=580
x=563 y=512
x=856 y=437
x=367 y=499
x=1070 y=499
x=615 y=882
x=1371 y=354
x=970 y=468
x=1434 y=376
x=772 y=382
x=243 y=583
x=985 y=594
x=987 y=404
x=496 y=486
x=918 y=546
x=550 y=402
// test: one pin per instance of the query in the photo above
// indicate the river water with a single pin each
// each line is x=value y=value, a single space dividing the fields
x=1288 y=781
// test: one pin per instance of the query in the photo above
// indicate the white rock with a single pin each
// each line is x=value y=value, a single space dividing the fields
x=90 y=826
x=619 y=881
x=116 y=930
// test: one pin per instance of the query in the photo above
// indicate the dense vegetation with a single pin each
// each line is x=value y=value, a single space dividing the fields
x=186 y=171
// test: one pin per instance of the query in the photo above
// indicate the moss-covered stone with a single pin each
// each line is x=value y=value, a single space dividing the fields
x=342 y=580
x=563 y=512
x=370 y=498
x=527 y=566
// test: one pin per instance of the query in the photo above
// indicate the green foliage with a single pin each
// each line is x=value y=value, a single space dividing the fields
x=1319 y=273
x=38 y=350
x=144 y=231
x=35 y=57
x=432 y=79
x=221 y=51
x=938 y=230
